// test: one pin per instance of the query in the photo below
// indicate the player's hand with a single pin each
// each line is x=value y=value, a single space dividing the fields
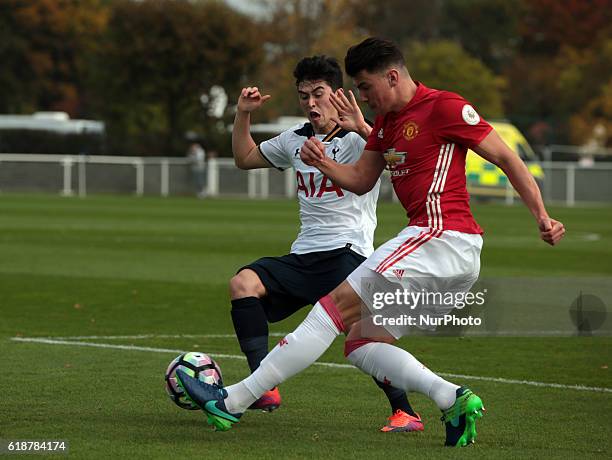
x=551 y=230
x=312 y=152
x=251 y=99
x=349 y=113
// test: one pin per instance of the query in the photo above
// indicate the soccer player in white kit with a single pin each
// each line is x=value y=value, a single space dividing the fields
x=337 y=226
x=422 y=136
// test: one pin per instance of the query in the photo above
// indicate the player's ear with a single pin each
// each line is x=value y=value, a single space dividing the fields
x=392 y=77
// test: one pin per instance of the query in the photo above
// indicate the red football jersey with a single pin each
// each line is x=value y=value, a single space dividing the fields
x=425 y=145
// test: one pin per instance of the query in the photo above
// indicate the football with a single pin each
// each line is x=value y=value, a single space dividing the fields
x=196 y=364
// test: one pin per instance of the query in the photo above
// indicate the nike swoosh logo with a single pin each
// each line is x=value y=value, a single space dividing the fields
x=211 y=408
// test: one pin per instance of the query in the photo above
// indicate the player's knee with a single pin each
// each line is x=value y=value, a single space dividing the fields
x=245 y=283
x=348 y=303
x=345 y=296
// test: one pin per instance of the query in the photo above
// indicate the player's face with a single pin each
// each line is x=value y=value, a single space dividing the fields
x=375 y=90
x=315 y=103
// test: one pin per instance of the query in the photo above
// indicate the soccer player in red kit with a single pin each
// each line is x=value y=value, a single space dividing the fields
x=421 y=135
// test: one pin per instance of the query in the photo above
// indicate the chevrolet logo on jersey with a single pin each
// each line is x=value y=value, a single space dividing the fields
x=393 y=158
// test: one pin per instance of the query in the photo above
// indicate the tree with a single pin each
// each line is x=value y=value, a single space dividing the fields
x=296 y=29
x=562 y=66
x=299 y=28
x=487 y=29
x=160 y=57
x=45 y=46
x=547 y=25
x=585 y=89
x=399 y=20
x=445 y=65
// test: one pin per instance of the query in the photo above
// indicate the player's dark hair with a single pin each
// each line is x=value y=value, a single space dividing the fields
x=319 y=68
x=372 y=55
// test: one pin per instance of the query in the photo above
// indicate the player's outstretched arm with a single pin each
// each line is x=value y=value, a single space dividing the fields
x=246 y=153
x=349 y=113
x=493 y=149
x=359 y=177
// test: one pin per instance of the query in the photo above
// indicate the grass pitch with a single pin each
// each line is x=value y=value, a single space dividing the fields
x=138 y=272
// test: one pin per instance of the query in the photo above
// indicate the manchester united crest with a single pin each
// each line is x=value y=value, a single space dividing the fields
x=411 y=129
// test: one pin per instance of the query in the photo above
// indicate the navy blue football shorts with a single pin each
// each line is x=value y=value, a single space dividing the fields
x=296 y=280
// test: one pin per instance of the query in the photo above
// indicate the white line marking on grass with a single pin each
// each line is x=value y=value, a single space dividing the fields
x=508 y=333
x=503 y=333
x=94 y=345
x=561 y=386
x=155 y=336
x=529 y=382
x=114 y=346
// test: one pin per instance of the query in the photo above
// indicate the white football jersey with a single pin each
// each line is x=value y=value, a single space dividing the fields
x=330 y=216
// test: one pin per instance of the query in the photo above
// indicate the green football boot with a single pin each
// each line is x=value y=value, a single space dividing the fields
x=460 y=418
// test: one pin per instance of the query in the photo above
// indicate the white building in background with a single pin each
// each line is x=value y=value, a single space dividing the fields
x=58 y=122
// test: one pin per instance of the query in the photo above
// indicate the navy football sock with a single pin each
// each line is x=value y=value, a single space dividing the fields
x=251 y=326
x=397 y=398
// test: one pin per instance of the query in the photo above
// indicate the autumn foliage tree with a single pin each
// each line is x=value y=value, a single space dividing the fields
x=160 y=57
x=445 y=65
x=301 y=28
x=46 y=48
x=143 y=66
x=293 y=30
x=561 y=71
